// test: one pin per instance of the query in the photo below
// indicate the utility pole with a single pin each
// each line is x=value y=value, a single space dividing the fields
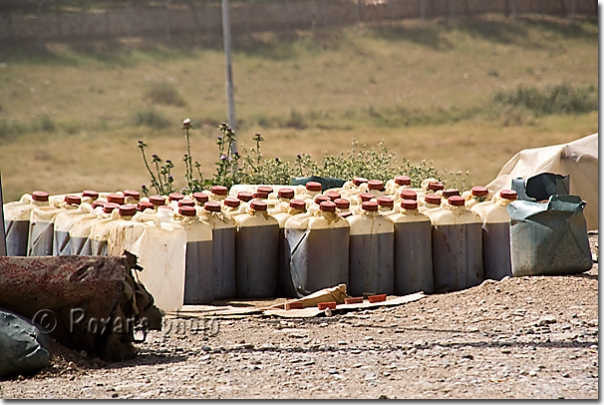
x=226 y=35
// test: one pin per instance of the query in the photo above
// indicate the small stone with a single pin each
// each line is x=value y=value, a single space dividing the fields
x=566 y=375
x=505 y=350
x=545 y=320
x=342 y=342
x=497 y=289
x=357 y=365
x=368 y=337
x=333 y=371
x=532 y=373
x=467 y=356
x=114 y=395
x=206 y=348
x=309 y=363
x=386 y=373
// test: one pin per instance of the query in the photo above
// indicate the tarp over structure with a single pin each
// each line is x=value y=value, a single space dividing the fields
x=579 y=159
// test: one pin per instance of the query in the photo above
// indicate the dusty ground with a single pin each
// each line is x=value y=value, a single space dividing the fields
x=526 y=337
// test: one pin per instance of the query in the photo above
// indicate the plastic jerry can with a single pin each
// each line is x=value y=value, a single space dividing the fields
x=313 y=207
x=429 y=203
x=456 y=246
x=332 y=195
x=316 y=248
x=116 y=198
x=398 y=184
x=245 y=196
x=371 y=254
x=376 y=187
x=131 y=197
x=16 y=221
x=199 y=270
x=496 y=254
x=41 y=228
x=353 y=188
x=79 y=234
x=312 y=189
x=412 y=250
x=224 y=230
x=200 y=198
x=256 y=252
x=173 y=199
x=296 y=207
x=232 y=207
x=385 y=205
x=477 y=195
x=185 y=202
x=343 y=207
x=161 y=247
x=157 y=201
x=73 y=211
x=450 y=192
x=99 y=232
x=89 y=196
x=143 y=206
x=284 y=197
x=218 y=193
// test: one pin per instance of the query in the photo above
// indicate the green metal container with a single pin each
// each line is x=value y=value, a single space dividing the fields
x=549 y=238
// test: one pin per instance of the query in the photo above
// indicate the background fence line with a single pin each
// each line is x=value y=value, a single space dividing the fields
x=51 y=20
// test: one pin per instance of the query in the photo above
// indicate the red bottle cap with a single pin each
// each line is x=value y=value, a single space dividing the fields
x=385 y=201
x=333 y=195
x=432 y=199
x=264 y=189
x=508 y=194
x=408 y=195
x=370 y=206
x=297 y=204
x=319 y=198
x=328 y=206
x=357 y=181
x=90 y=193
x=39 y=196
x=456 y=201
x=403 y=180
x=450 y=192
x=73 y=199
x=342 y=203
x=127 y=210
x=409 y=204
x=314 y=186
x=219 y=190
x=260 y=195
x=258 y=205
x=186 y=203
x=143 y=205
x=435 y=186
x=98 y=204
x=366 y=196
x=375 y=185
x=479 y=191
x=212 y=206
x=175 y=197
x=244 y=196
x=200 y=197
x=132 y=193
x=232 y=202
x=157 y=200
x=115 y=198
x=187 y=211
x=286 y=192
x=107 y=208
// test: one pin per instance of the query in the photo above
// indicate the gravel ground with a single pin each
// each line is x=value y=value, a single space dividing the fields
x=525 y=337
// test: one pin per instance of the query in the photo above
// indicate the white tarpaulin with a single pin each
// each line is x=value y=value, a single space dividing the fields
x=579 y=159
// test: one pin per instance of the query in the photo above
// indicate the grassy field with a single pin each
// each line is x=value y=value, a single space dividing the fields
x=446 y=92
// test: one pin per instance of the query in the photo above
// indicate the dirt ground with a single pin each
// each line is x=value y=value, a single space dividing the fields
x=524 y=337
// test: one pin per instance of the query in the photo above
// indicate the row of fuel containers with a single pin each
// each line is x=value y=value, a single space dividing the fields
x=264 y=241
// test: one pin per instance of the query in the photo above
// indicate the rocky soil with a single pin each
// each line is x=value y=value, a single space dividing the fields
x=525 y=337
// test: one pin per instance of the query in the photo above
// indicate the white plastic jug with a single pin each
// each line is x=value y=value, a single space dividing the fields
x=16 y=223
x=74 y=209
x=41 y=228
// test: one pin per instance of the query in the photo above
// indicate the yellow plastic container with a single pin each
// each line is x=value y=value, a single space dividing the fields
x=199 y=270
x=160 y=245
x=456 y=246
x=311 y=190
x=496 y=253
x=89 y=196
x=79 y=234
x=316 y=248
x=371 y=254
x=284 y=197
x=41 y=227
x=412 y=250
x=298 y=208
x=16 y=221
x=224 y=231
x=385 y=205
x=396 y=185
x=218 y=193
x=256 y=248
x=131 y=197
x=73 y=210
x=429 y=203
x=99 y=232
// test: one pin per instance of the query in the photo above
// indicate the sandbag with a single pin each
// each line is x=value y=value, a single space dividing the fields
x=549 y=238
x=23 y=347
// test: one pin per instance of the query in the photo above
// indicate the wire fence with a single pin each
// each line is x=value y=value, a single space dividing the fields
x=41 y=21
